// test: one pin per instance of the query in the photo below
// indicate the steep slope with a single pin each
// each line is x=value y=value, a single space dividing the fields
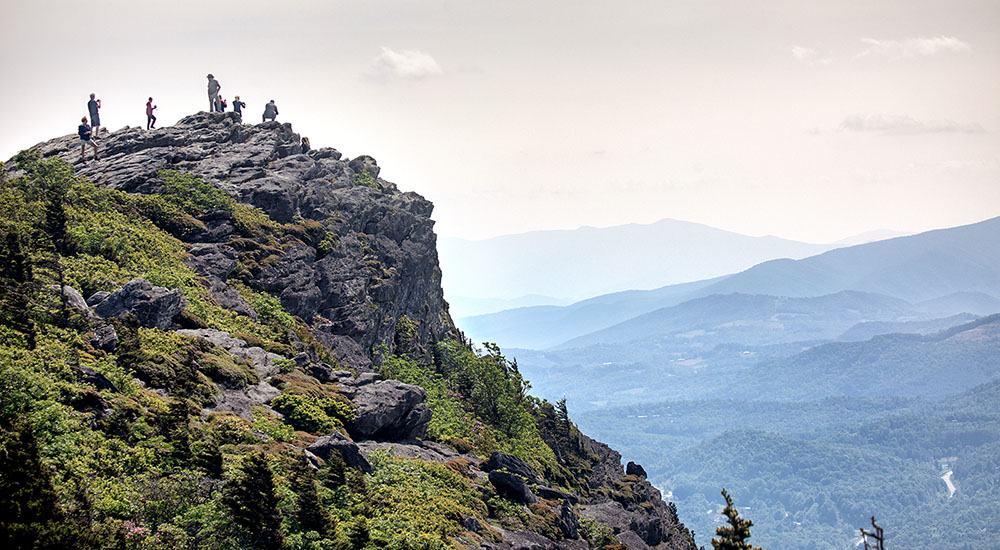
x=249 y=349
x=590 y=261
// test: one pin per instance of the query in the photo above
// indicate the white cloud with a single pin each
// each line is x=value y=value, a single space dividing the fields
x=410 y=64
x=898 y=124
x=809 y=56
x=802 y=53
x=913 y=47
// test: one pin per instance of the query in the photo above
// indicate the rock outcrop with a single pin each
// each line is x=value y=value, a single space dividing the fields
x=152 y=306
x=377 y=264
x=389 y=410
x=337 y=445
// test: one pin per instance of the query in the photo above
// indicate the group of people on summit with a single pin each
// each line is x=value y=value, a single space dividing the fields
x=218 y=105
x=89 y=132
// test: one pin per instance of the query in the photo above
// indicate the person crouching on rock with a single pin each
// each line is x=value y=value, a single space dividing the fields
x=150 y=119
x=86 y=137
x=270 y=111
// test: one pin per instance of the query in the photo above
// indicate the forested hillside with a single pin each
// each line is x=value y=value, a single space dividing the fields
x=810 y=473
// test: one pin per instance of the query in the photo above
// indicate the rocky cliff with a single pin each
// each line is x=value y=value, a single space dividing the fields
x=377 y=259
x=222 y=397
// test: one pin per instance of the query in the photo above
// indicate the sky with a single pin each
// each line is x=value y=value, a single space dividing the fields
x=811 y=121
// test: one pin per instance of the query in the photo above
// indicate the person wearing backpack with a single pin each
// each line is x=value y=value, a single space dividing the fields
x=86 y=137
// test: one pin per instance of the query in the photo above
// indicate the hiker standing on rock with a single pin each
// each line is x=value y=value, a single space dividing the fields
x=270 y=111
x=305 y=145
x=94 y=106
x=238 y=107
x=150 y=119
x=213 y=93
x=86 y=137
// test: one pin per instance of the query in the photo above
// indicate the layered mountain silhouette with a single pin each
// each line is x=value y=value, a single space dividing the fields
x=946 y=271
x=575 y=264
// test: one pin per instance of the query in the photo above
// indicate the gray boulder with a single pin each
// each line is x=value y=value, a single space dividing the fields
x=428 y=451
x=389 y=410
x=105 y=338
x=97 y=297
x=153 y=306
x=212 y=260
x=512 y=464
x=633 y=469
x=326 y=446
x=365 y=163
x=73 y=298
x=512 y=486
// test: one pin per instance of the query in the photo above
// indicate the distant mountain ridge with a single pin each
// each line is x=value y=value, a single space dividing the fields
x=754 y=319
x=943 y=270
x=590 y=261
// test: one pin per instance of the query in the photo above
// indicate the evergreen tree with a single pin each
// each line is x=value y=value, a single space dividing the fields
x=249 y=495
x=16 y=278
x=309 y=509
x=734 y=535
x=177 y=429
x=30 y=516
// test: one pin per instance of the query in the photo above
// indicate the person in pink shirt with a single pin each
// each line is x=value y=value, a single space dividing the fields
x=150 y=119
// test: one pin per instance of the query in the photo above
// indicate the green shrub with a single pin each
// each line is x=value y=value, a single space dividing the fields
x=313 y=414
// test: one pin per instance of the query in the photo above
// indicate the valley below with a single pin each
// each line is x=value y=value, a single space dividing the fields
x=859 y=391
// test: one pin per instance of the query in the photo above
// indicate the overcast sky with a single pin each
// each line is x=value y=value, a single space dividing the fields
x=808 y=120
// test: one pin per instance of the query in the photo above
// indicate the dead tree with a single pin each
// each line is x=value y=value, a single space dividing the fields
x=877 y=537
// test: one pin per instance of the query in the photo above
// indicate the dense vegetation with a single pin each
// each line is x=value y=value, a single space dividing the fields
x=811 y=473
x=113 y=450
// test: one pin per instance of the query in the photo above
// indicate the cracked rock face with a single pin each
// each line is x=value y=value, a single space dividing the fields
x=379 y=263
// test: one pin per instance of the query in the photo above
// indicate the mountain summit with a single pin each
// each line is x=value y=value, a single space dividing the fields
x=212 y=339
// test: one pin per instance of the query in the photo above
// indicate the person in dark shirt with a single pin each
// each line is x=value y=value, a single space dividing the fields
x=86 y=137
x=150 y=119
x=238 y=107
x=305 y=145
x=94 y=106
x=270 y=111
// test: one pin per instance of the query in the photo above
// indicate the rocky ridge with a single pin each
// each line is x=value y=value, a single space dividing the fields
x=379 y=262
x=380 y=266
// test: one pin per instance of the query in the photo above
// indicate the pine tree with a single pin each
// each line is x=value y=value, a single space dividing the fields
x=16 y=278
x=734 y=535
x=249 y=495
x=309 y=509
x=30 y=516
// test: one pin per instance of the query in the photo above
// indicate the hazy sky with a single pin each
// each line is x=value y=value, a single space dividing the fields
x=808 y=120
